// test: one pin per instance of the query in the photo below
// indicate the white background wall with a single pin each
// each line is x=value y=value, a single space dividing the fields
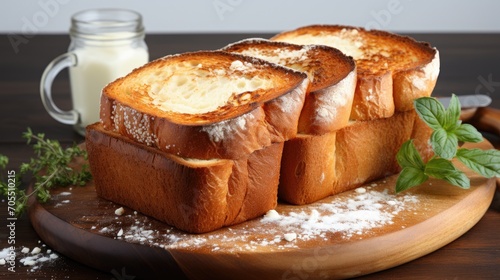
x=53 y=16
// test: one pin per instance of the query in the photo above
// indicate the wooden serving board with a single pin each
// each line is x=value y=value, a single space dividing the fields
x=351 y=234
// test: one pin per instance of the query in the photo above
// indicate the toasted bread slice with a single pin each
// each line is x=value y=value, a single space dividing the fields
x=193 y=195
x=207 y=104
x=392 y=70
x=333 y=78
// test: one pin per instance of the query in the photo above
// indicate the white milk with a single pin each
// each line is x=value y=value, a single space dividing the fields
x=96 y=67
x=105 y=44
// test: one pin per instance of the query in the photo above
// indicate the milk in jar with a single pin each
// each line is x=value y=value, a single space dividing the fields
x=98 y=65
x=106 y=44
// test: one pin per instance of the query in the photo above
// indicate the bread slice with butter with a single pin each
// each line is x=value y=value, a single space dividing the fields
x=207 y=104
x=328 y=102
x=393 y=70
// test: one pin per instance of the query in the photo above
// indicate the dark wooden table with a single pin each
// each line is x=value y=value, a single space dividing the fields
x=470 y=63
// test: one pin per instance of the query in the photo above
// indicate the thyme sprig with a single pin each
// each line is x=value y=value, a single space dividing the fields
x=52 y=166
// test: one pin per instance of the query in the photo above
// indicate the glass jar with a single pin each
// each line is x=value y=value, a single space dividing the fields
x=105 y=44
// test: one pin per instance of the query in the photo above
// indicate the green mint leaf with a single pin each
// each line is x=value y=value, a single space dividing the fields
x=440 y=168
x=447 y=131
x=452 y=119
x=484 y=162
x=408 y=156
x=468 y=133
x=431 y=111
x=444 y=143
x=410 y=177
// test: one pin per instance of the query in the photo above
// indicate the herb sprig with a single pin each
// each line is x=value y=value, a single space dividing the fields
x=50 y=168
x=448 y=130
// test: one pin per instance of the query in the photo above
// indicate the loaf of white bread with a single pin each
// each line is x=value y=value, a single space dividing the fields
x=202 y=140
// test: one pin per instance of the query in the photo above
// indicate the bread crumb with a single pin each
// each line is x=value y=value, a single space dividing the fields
x=43 y=259
x=35 y=258
x=119 y=211
x=360 y=190
x=120 y=233
x=290 y=236
x=36 y=250
x=29 y=262
x=272 y=214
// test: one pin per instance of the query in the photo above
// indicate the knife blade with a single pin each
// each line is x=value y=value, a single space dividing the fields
x=468 y=101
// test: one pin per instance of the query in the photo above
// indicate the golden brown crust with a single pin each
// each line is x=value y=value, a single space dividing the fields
x=329 y=109
x=421 y=138
x=373 y=97
x=307 y=168
x=263 y=168
x=366 y=150
x=192 y=195
x=415 y=83
x=314 y=167
x=412 y=66
x=266 y=117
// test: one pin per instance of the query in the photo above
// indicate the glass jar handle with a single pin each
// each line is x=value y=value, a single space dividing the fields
x=48 y=76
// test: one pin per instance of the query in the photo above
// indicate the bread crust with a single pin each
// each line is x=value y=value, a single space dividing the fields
x=373 y=97
x=415 y=83
x=232 y=131
x=314 y=167
x=307 y=168
x=392 y=69
x=366 y=150
x=192 y=195
x=421 y=136
x=328 y=102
